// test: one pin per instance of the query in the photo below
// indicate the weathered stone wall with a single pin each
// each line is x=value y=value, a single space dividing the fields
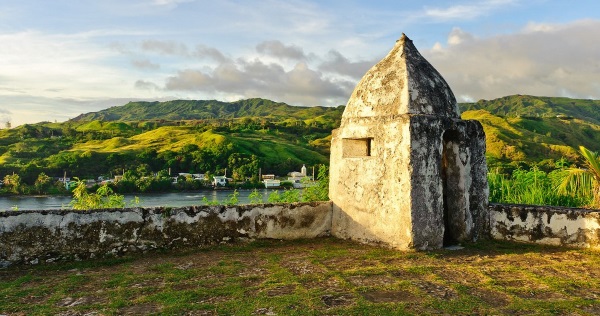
x=406 y=171
x=549 y=225
x=448 y=173
x=30 y=237
x=371 y=193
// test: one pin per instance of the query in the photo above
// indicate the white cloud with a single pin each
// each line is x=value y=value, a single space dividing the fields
x=466 y=11
x=40 y=64
x=165 y=47
x=278 y=49
x=300 y=84
x=146 y=85
x=203 y=51
x=554 y=60
x=533 y=27
x=458 y=36
x=170 y=2
x=315 y=55
x=339 y=64
x=144 y=64
x=38 y=109
x=5 y=116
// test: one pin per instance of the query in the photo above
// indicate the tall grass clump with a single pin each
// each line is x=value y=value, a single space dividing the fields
x=534 y=187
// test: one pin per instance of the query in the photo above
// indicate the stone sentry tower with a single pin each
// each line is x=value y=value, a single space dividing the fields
x=406 y=171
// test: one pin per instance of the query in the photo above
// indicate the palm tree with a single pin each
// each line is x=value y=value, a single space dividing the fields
x=584 y=181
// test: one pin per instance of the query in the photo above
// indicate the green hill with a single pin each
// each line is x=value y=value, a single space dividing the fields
x=528 y=129
x=198 y=137
x=531 y=106
x=211 y=109
x=202 y=136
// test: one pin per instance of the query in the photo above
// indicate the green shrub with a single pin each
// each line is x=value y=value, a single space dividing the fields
x=103 y=198
x=320 y=190
x=255 y=197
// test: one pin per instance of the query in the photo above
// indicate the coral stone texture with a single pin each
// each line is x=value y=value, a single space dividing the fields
x=406 y=171
x=31 y=237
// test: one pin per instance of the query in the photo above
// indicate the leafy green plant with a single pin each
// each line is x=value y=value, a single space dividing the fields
x=13 y=183
x=207 y=202
x=232 y=199
x=274 y=197
x=319 y=191
x=135 y=202
x=287 y=196
x=255 y=197
x=584 y=181
x=290 y=196
x=42 y=183
x=103 y=198
x=534 y=187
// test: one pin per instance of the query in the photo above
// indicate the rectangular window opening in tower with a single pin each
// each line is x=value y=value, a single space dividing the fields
x=357 y=147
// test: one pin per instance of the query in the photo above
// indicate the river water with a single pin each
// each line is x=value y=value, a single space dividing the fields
x=145 y=200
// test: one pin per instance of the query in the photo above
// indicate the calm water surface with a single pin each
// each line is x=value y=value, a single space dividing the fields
x=146 y=200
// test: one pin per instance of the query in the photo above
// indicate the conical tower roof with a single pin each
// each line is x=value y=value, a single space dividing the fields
x=404 y=82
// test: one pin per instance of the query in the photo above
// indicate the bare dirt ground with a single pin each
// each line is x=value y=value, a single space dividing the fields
x=314 y=277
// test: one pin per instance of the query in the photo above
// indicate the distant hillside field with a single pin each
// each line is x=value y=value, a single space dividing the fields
x=211 y=136
x=522 y=128
x=240 y=137
x=209 y=109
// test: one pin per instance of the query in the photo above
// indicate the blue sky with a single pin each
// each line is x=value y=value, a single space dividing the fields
x=61 y=58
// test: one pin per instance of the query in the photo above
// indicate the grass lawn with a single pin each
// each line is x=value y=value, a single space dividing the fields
x=314 y=277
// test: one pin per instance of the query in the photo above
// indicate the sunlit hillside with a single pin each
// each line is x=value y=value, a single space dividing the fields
x=202 y=136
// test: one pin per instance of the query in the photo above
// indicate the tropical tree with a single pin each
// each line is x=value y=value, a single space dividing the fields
x=584 y=181
x=13 y=183
x=42 y=183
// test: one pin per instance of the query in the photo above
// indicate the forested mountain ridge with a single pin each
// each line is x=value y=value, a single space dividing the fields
x=208 y=109
x=532 y=106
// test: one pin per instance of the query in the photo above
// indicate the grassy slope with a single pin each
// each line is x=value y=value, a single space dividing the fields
x=532 y=129
x=269 y=147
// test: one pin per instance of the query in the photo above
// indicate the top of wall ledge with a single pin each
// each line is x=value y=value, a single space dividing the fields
x=403 y=82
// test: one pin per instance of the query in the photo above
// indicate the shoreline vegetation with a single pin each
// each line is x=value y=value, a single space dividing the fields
x=534 y=187
x=104 y=196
